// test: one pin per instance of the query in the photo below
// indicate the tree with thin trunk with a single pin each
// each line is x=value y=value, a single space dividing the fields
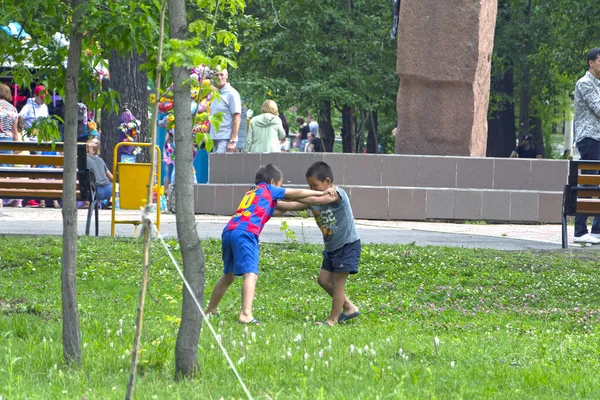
x=186 y=351
x=70 y=316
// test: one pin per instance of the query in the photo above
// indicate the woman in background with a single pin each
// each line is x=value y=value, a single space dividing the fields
x=265 y=131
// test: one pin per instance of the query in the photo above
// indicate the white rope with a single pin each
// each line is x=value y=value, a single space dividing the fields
x=206 y=321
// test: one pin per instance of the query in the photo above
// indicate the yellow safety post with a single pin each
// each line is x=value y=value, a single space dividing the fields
x=133 y=186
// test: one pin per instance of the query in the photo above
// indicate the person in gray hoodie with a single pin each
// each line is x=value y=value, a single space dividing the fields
x=265 y=131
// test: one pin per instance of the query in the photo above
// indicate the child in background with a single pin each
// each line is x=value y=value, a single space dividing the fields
x=101 y=173
x=342 y=243
x=240 y=236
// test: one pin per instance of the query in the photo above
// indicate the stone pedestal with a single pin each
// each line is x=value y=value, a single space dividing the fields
x=444 y=63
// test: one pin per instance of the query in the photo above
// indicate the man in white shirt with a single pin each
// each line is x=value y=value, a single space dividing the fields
x=34 y=108
x=230 y=105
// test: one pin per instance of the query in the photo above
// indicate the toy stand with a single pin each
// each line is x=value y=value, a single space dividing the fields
x=133 y=186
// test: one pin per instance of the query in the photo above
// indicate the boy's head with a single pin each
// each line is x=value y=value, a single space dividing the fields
x=93 y=146
x=319 y=176
x=310 y=136
x=269 y=174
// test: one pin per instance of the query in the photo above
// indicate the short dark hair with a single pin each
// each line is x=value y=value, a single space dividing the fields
x=593 y=54
x=268 y=173
x=300 y=120
x=320 y=170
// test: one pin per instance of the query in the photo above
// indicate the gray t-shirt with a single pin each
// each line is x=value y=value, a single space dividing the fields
x=336 y=222
x=229 y=104
x=98 y=167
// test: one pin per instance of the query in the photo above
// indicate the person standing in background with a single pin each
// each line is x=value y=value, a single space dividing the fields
x=230 y=105
x=587 y=134
x=34 y=108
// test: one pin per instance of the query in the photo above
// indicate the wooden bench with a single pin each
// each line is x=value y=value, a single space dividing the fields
x=579 y=198
x=19 y=180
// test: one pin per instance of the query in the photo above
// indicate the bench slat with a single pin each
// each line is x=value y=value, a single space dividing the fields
x=31 y=146
x=588 y=206
x=32 y=184
x=37 y=194
x=7 y=172
x=588 y=166
x=25 y=159
x=588 y=179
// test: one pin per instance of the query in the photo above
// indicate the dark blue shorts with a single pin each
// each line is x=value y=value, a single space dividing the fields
x=344 y=259
x=240 y=252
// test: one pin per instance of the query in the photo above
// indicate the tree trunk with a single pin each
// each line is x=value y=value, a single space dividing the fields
x=70 y=315
x=132 y=85
x=501 y=128
x=372 y=140
x=360 y=134
x=348 y=130
x=186 y=351
x=537 y=135
x=525 y=77
x=325 y=128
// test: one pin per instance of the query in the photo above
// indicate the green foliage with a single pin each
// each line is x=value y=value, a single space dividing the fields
x=45 y=129
x=510 y=324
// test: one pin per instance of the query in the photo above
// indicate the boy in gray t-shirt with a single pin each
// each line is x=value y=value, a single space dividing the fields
x=342 y=243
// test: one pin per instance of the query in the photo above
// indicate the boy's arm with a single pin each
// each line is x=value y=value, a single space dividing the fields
x=284 y=206
x=297 y=194
x=320 y=201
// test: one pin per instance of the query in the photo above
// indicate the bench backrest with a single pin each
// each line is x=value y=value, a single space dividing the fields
x=20 y=168
x=582 y=191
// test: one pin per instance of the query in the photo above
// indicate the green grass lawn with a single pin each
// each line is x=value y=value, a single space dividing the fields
x=511 y=325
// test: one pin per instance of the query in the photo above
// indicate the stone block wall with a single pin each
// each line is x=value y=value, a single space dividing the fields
x=405 y=187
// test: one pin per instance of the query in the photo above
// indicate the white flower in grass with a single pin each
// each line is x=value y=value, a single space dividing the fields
x=451 y=364
x=50 y=340
x=305 y=356
x=84 y=345
x=241 y=360
x=246 y=331
x=253 y=336
x=436 y=341
x=366 y=349
x=373 y=352
x=289 y=355
x=112 y=345
x=326 y=364
x=108 y=333
x=127 y=352
x=389 y=341
x=44 y=339
x=321 y=354
x=351 y=350
x=400 y=351
x=218 y=337
x=241 y=344
x=360 y=352
x=312 y=369
x=371 y=344
x=305 y=368
x=234 y=343
x=267 y=342
x=298 y=338
x=330 y=342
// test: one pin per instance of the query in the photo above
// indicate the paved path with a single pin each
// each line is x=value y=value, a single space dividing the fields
x=495 y=236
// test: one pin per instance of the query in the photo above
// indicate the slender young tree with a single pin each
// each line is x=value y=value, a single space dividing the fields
x=70 y=315
x=186 y=350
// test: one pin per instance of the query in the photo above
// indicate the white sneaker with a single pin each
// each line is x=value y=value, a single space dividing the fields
x=596 y=235
x=587 y=238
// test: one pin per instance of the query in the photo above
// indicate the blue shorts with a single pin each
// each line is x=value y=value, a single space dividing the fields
x=240 y=252
x=344 y=259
